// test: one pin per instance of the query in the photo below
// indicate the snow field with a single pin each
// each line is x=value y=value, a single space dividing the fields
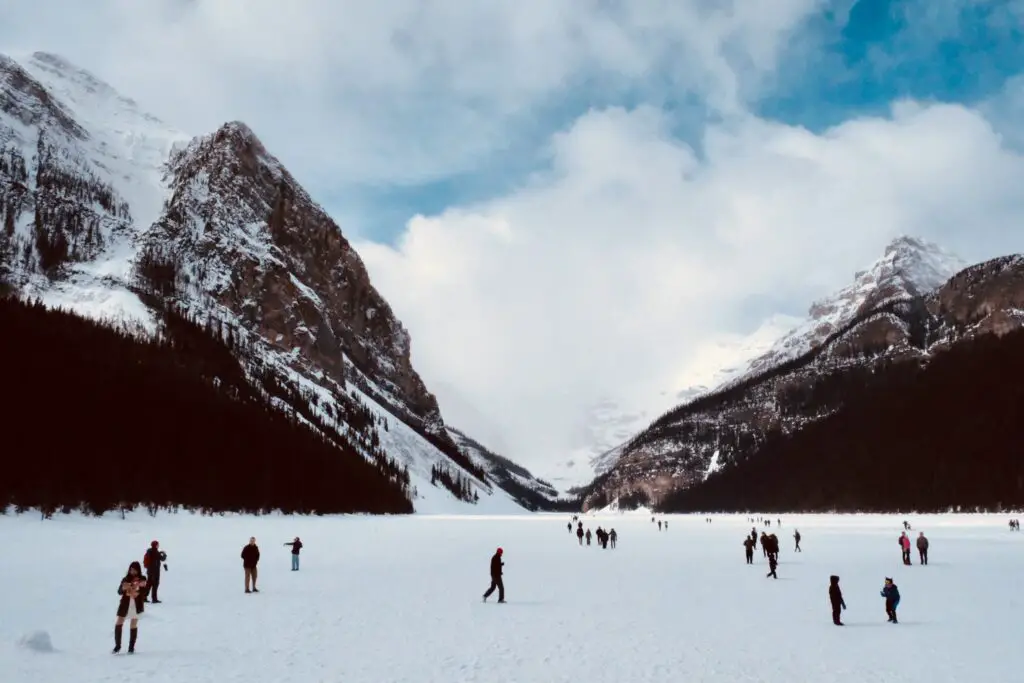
x=398 y=599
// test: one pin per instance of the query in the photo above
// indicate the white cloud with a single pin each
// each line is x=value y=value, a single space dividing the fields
x=400 y=91
x=608 y=274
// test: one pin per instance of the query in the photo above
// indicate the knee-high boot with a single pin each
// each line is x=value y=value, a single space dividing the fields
x=133 y=635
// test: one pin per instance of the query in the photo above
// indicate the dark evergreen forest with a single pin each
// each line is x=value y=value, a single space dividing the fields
x=101 y=419
x=918 y=437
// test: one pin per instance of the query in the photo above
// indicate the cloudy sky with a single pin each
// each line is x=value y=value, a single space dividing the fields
x=569 y=199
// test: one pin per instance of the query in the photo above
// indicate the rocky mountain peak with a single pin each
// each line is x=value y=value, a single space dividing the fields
x=27 y=102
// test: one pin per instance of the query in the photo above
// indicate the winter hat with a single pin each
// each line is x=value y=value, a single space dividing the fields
x=834 y=578
x=154 y=543
x=500 y=551
x=888 y=580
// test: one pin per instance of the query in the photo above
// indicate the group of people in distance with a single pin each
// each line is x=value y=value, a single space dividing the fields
x=136 y=589
x=603 y=537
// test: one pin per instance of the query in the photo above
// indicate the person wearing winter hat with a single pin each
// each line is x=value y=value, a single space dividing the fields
x=892 y=599
x=152 y=561
x=835 y=596
x=496 y=572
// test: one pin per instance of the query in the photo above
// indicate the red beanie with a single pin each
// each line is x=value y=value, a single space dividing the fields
x=500 y=551
x=154 y=544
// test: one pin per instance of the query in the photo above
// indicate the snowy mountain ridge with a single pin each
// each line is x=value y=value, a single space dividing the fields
x=916 y=300
x=99 y=200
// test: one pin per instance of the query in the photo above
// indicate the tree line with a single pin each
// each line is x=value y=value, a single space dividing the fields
x=98 y=418
x=914 y=436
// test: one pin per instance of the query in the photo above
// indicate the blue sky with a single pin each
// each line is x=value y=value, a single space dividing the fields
x=612 y=194
x=850 y=61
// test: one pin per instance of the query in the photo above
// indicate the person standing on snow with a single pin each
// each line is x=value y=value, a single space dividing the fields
x=835 y=596
x=250 y=558
x=579 y=533
x=132 y=590
x=496 y=573
x=613 y=537
x=796 y=537
x=152 y=560
x=922 y=547
x=748 y=544
x=296 y=547
x=589 y=535
x=764 y=543
x=892 y=599
x=904 y=542
x=659 y=525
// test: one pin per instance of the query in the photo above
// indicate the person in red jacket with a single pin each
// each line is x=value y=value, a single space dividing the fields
x=496 y=582
x=152 y=561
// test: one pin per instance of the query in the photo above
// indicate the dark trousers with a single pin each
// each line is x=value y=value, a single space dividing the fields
x=906 y=557
x=836 y=610
x=152 y=584
x=890 y=610
x=798 y=547
x=924 y=555
x=496 y=582
x=750 y=557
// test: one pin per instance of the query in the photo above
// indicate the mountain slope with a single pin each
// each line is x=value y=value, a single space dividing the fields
x=890 y=316
x=929 y=436
x=110 y=212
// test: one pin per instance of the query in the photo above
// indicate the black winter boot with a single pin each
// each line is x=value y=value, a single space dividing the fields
x=117 y=638
x=133 y=634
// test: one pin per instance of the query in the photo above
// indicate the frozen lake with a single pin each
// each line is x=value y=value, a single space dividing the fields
x=382 y=600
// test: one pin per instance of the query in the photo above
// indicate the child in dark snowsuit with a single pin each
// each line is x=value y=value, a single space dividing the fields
x=892 y=599
x=835 y=596
x=748 y=545
x=773 y=563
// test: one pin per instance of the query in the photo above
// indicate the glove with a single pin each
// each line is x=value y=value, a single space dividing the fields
x=165 y=567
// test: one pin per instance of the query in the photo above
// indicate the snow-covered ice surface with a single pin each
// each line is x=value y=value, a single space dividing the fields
x=398 y=599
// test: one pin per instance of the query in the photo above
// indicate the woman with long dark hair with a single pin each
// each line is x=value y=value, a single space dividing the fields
x=132 y=590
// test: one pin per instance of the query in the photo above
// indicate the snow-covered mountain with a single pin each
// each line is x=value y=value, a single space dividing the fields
x=914 y=301
x=609 y=425
x=107 y=211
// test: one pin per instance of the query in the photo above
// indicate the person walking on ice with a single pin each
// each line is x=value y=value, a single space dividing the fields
x=922 y=547
x=835 y=596
x=152 y=560
x=796 y=537
x=904 y=541
x=496 y=573
x=296 y=547
x=748 y=545
x=589 y=535
x=892 y=599
x=613 y=537
x=579 y=533
x=250 y=558
x=773 y=564
x=132 y=590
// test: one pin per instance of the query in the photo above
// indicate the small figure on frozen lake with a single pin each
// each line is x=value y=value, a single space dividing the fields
x=659 y=525
x=250 y=559
x=296 y=547
x=904 y=542
x=132 y=590
x=589 y=536
x=796 y=537
x=922 y=547
x=579 y=533
x=892 y=599
x=748 y=544
x=613 y=537
x=496 y=576
x=835 y=596
x=773 y=564
x=152 y=560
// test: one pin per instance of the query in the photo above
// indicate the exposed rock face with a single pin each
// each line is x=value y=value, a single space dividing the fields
x=894 y=317
x=54 y=208
x=246 y=234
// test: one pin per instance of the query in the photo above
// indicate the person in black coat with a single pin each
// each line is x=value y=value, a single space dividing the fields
x=496 y=582
x=250 y=558
x=748 y=543
x=152 y=560
x=835 y=596
x=132 y=590
x=296 y=547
